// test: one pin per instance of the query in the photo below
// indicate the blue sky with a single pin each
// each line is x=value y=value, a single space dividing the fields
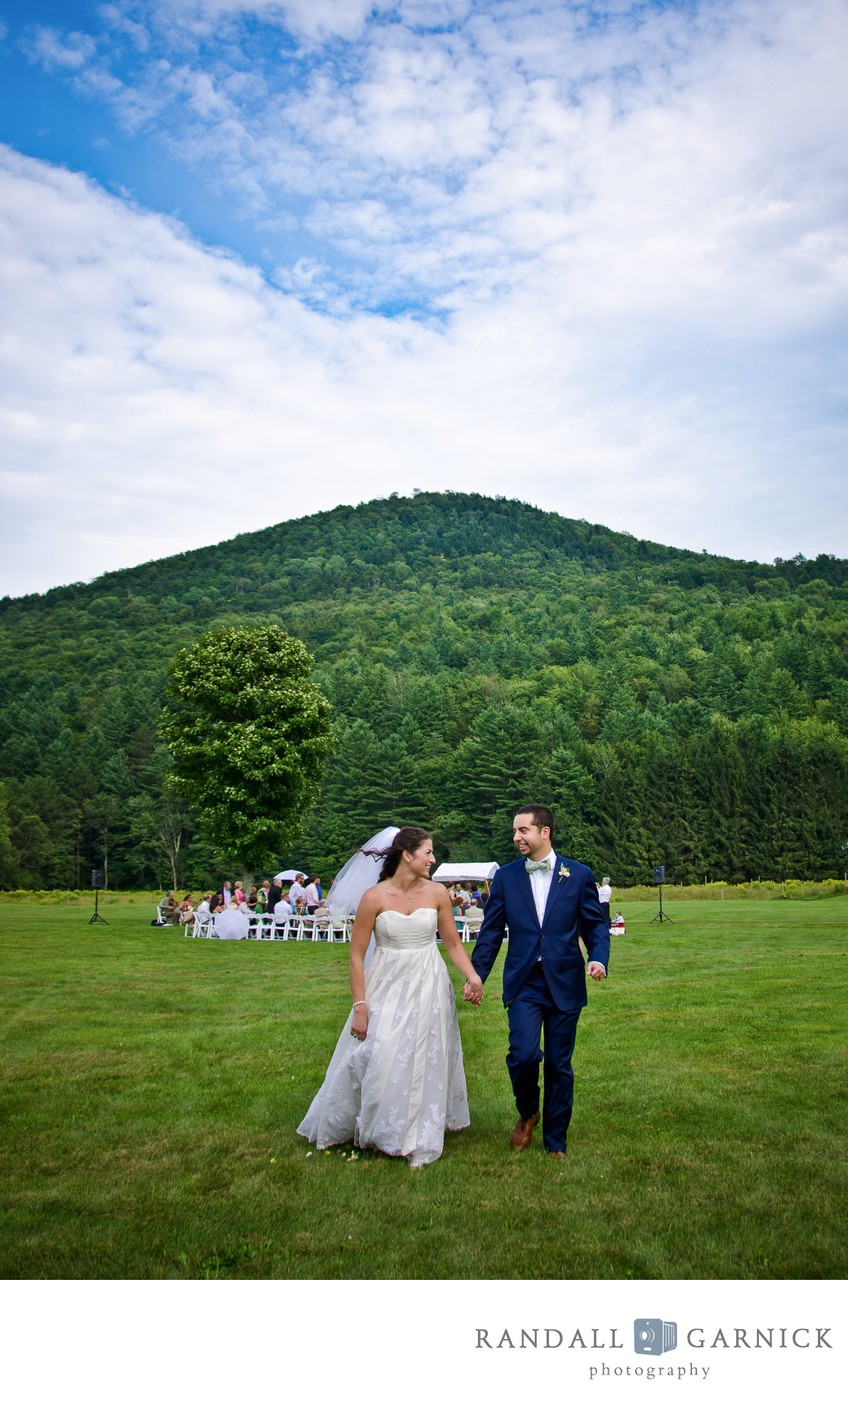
x=260 y=258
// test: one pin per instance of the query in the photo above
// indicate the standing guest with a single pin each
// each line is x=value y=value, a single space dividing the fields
x=297 y=891
x=547 y=902
x=275 y=891
x=262 y=896
x=311 y=896
x=227 y=893
x=604 y=897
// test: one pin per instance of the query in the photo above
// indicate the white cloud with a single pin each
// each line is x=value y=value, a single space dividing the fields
x=159 y=396
x=48 y=47
x=625 y=243
x=658 y=153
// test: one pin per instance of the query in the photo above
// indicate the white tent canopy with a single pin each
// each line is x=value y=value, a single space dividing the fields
x=465 y=871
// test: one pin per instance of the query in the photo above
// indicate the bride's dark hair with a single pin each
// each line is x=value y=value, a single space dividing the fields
x=407 y=840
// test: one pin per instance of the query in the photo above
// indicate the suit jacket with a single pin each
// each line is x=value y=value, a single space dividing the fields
x=572 y=910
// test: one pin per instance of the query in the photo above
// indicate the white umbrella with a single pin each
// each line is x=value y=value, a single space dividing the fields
x=290 y=875
x=465 y=872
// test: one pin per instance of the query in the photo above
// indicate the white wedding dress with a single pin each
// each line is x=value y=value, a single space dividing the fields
x=402 y=1086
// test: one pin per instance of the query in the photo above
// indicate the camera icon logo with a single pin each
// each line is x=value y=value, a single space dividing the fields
x=653 y=1336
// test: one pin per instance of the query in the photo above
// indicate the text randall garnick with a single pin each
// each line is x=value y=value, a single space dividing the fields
x=515 y=1339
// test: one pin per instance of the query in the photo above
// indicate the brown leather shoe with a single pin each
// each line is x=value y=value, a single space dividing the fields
x=560 y=1155
x=522 y=1132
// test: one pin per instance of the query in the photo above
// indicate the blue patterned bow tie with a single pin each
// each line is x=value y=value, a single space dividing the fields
x=543 y=866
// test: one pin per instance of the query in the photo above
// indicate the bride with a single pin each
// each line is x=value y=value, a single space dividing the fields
x=396 y=1080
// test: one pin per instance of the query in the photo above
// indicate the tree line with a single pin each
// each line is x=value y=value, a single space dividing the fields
x=671 y=706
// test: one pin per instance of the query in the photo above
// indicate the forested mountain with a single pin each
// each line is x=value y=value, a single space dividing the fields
x=672 y=706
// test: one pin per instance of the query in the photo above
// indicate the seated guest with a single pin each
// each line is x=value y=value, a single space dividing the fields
x=217 y=903
x=168 y=907
x=186 y=910
x=204 y=911
x=283 y=910
x=473 y=912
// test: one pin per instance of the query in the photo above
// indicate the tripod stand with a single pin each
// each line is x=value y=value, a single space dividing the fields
x=661 y=915
x=97 y=916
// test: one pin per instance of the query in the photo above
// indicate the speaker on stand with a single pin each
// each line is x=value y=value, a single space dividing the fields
x=97 y=880
x=659 y=878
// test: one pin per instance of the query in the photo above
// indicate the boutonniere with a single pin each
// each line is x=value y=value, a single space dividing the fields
x=563 y=872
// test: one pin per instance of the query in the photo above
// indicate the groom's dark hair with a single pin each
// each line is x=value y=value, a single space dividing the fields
x=542 y=817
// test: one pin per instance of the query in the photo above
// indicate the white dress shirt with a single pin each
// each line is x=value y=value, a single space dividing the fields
x=540 y=885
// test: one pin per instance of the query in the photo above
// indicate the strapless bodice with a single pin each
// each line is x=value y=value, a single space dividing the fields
x=394 y=930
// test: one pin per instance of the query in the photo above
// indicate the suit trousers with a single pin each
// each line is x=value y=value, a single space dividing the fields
x=532 y=1011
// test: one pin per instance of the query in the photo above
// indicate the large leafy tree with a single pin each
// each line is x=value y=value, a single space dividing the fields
x=250 y=736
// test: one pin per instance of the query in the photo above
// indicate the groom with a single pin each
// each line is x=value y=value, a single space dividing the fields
x=548 y=902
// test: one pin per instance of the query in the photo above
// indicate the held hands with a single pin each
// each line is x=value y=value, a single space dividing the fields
x=473 y=991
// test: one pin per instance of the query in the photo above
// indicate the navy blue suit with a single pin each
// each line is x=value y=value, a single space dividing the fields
x=544 y=980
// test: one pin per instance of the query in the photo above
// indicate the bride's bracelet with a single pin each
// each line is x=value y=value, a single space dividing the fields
x=358 y=1002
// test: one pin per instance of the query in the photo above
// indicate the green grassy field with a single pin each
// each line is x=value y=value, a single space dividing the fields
x=152 y=1086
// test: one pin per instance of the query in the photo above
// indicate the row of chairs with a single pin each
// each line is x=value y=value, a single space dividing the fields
x=295 y=928
x=308 y=928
